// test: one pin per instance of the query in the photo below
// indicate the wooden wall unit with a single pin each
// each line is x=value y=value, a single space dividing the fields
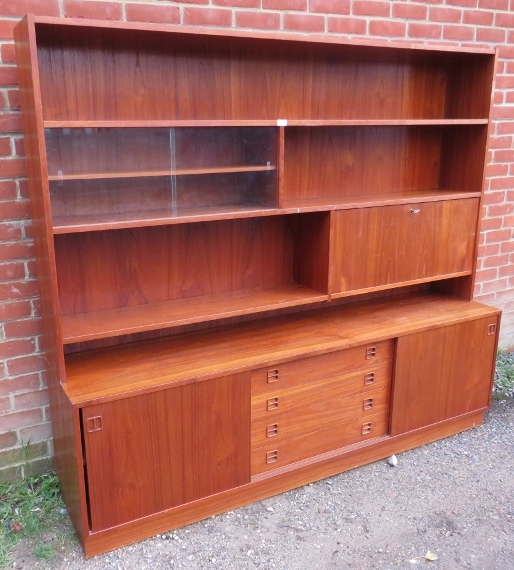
x=258 y=280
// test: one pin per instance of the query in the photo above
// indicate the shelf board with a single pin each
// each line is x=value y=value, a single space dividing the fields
x=105 y=374
x=166 y=172
x=259 y=123
x=116 y=221
x=127 y=320
x=371 y=200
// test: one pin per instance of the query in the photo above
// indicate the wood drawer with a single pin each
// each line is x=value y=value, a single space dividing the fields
x=320 y=413
x=268 y=405
x=323 y=366
x=309 y=445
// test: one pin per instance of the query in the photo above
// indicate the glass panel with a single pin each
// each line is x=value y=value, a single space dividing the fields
x=138 y=176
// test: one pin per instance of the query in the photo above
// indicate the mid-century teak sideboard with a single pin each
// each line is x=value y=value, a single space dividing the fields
x=256 y=257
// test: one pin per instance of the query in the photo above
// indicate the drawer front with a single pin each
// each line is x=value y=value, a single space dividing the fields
x=309 y=445
x=383 y=246
x=268 y=405
x=320 y=413
x=317 y=367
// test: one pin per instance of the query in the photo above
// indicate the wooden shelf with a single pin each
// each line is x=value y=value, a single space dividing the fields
x=105 y=374
x=259 y=123
x=114 y=322
x=371 y=200
x=152 y=173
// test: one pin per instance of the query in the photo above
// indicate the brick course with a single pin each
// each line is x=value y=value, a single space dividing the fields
x=23 y=399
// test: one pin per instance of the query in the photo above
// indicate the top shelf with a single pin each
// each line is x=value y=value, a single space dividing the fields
x=264 y=123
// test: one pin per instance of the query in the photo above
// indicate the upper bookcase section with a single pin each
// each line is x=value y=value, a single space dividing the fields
x=122 y=73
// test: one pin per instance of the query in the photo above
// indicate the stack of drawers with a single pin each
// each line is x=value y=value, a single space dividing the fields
x=311 y=406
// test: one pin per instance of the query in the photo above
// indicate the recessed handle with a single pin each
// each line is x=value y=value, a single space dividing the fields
x=415 y=210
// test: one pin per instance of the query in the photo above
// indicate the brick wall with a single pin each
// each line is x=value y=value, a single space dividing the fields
x=25 y=444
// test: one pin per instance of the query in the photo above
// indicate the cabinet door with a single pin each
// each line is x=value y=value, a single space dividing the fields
x=151 y=452
x=382 y=246
x=443 y=373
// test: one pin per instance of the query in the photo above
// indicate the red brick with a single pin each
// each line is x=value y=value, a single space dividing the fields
x=494 y=4
x=31 y=400
x=24 y=189
x=193 y=1
x=495 y=260
x=458 y=33
x=259 y=20
x=502 y=183
x=18 y=290
x=451 y=15
x=6 y=29
x=495 y=236
x=493 y=197
x=409 y=11
x=347 y=25
x=506 y=51
x=20 y=419
x=304 y=23
x=23 y=328
x=12 y=167
x=12 y=348
x=8 y=53
x=491 y=224
x=16 y=250
x=478 y=17
x=494 y=286
x=7 y=189
x=207 y=17
x=509 y=97
x=500 y=209
x=299 y=5
x=504 y=155
x=238 y=3
x=500 y=142
x=330 y=6
x=22 y=7
x=466 y=3
x=40 y=432
x=15 y=310
x=370 y=8
x=490 y=35
x=504 y=81
x=16 y=209
x=507 y=247
x=5 y=405
x=387 y=28
x=10 y=123
x=498 y=98
x=8 y=76
x=506 y=270
x=98 y=10
x=7 y=439
x=486 y=275
x=504 y=20
x=496 y=170
x=19 y=146
x=26 y=364
x=152 y=13
x=430 y=31
x=10 y=231
x=503 y=112
x=5 y=147
x=12 y=271
x=488 y=251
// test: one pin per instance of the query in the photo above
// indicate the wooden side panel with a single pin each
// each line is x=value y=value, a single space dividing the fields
x=443 y=373
x=148 y=453
x=390 y=245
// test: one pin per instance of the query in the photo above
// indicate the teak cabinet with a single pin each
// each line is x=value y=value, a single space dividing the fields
x=256 y=257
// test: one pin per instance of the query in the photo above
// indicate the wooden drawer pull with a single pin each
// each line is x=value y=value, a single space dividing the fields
x=272 y=456
x=367 y=404
x=94 y=424
x=371 y=352
x=272 y=403
x=273 y=375
x=366 y=428
x=369 y=378
x=272 y=430
x=491 y=329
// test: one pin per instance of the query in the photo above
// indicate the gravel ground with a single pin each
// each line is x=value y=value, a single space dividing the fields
x=454 y=498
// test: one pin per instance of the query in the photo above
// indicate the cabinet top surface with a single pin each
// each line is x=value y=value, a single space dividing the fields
x=223 y=34
x=104 y=374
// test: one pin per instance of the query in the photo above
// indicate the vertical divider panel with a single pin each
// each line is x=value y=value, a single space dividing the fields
x=280 y=166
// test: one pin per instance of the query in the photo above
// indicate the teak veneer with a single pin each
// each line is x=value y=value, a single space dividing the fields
x=261 y=279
